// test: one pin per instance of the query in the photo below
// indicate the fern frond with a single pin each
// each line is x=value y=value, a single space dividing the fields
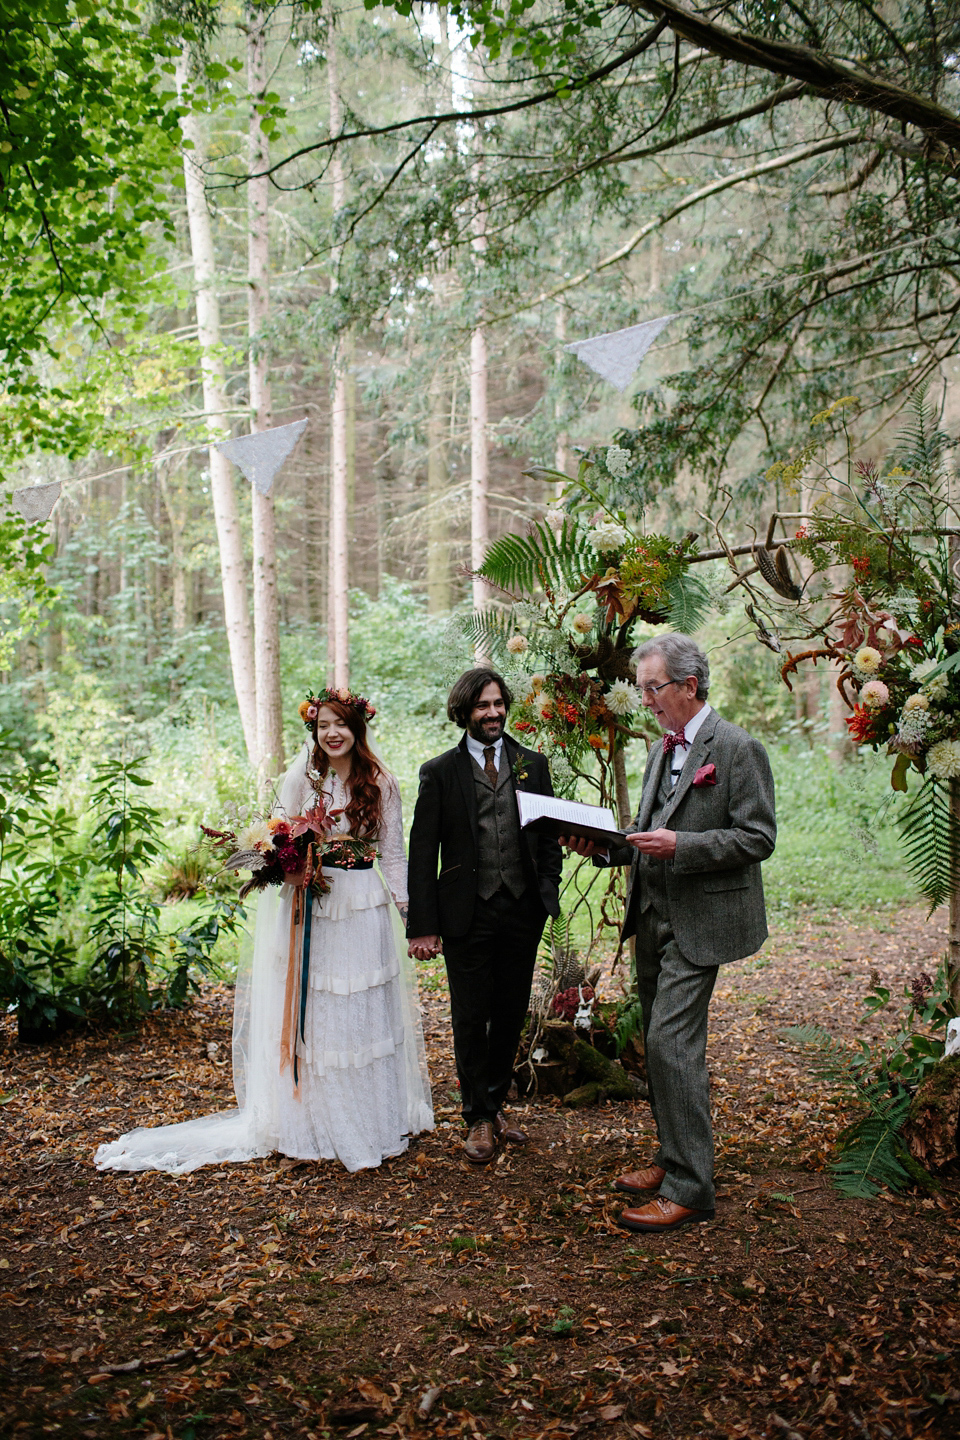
x=628 y=1027
x=928 y=842
x=689 y=603
x=522 y=564
x=489 y=630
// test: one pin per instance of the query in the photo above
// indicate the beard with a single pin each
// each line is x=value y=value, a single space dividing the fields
x=488 y=732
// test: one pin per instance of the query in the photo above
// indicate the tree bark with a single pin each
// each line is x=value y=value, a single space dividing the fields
x=479 y=491
x=236 y=614
x=265 y=611
x=338 y=634
x=561 y=457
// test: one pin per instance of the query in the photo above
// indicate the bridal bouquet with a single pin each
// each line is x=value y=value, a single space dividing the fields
x=278 y=848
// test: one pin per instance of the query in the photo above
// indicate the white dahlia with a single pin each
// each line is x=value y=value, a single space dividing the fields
x=518 y=644
x=607 y=537
x=622 y=698
x=868 y=660
x=257 y=836
x=555 y=518
x=918 y=701
x=944 y=759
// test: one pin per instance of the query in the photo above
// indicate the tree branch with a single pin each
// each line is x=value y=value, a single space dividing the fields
x=779 y=162
x=564 y=88
x=823 y=73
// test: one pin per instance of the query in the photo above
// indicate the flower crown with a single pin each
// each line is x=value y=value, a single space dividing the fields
x=343 y=696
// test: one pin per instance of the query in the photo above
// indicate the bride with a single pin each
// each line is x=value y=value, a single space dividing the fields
x=344 y=1079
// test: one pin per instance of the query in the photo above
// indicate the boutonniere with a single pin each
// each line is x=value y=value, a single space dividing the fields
x=520 y=771
x=706 y=775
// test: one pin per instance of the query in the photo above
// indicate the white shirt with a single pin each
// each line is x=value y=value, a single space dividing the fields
x=678 y=755
x=477 y=747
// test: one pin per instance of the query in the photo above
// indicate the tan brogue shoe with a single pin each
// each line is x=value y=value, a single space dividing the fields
x=641 y=1182
x=660 y=1215
x=505 y=1129
x=480 y=1145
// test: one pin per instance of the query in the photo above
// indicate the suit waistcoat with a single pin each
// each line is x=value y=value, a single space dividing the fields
x=500 y=857
x=652 y=873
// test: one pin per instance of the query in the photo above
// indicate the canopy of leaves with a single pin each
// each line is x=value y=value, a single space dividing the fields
x=86 y=136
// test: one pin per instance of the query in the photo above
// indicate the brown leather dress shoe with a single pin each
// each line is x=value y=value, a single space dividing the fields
x=504 y=1129
x=480 y=1145
x=660 y=1215
x=641 y=1182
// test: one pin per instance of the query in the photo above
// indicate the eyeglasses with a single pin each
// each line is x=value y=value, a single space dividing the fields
x=655 y=689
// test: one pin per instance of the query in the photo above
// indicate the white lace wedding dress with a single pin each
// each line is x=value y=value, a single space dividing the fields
x=363 y=1083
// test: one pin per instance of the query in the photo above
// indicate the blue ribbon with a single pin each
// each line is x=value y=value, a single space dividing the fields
x=304 y=978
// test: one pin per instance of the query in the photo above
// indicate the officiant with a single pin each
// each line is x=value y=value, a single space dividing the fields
x=480 y=892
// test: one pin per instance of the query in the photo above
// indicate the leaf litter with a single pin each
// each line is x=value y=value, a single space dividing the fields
x=285 y=1298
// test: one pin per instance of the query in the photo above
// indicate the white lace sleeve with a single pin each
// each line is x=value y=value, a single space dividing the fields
x=393 y=861
x=294 y=791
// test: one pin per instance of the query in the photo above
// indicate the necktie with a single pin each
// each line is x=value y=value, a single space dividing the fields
x=672 y=740
x=489 y=769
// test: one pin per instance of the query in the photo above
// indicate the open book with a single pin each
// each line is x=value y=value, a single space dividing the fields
x=568 y=817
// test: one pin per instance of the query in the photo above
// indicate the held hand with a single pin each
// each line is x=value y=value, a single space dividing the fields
x=425 y=947
x=579 y=845
x=661 y=844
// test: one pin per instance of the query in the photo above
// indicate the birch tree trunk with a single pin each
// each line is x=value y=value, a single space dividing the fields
x=236 y=614
x=338 y=633
x=438 y=419
x=561 y=459
x=479 y=488
x=265 y=611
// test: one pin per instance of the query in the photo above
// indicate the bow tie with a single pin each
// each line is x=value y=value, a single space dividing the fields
x=672 y=740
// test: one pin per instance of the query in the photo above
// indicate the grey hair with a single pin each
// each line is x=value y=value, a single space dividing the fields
x=681 y=656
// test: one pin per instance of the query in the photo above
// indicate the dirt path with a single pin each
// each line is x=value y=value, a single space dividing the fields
x=279 y=1299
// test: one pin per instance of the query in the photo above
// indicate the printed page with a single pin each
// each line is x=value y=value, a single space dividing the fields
x=533 y=807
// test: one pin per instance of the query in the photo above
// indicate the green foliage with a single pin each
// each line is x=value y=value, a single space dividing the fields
x=80 y=932
x=629 y=1025
x=690 y=603
x=86 y=140
x=540 y=561
x=929 y=841
x=25 y=595
x=871 y=1152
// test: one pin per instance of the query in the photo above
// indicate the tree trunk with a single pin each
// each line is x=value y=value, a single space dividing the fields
x=265 y=615
x=338 y=633
x=620 y=784
x=438 y=531
x=561 y=459
x=479 y=497
x=236 y=615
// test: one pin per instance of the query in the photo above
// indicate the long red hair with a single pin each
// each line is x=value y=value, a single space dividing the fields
x=364 y=809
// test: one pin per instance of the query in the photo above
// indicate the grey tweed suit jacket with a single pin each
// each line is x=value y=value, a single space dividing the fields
x=724 y=831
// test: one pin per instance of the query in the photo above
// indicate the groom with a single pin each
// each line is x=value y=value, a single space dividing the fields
x=487 y=906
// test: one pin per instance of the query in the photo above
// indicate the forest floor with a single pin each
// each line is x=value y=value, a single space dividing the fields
x=291 y=1299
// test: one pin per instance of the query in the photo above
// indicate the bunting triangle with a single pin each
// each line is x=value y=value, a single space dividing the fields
x=258 y=457
x=35 y=502
x=617 y=355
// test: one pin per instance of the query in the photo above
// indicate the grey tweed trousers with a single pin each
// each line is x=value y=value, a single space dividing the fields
x=675 y=996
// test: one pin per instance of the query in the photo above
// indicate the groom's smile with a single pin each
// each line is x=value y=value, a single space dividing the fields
x=489 y=715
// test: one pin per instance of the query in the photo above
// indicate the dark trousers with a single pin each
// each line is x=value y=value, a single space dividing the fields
x=675 y=995
x=490 y=971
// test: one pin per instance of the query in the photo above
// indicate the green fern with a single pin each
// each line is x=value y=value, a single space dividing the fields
x=871 y=1152
x=489 y=630
x=689 y=603
x=928 y=843
x=522 y=564
x=629 y=1025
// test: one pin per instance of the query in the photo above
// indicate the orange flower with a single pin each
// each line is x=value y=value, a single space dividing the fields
x=596 y=742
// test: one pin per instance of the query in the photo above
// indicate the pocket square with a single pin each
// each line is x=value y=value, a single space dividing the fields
x=706 y=775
